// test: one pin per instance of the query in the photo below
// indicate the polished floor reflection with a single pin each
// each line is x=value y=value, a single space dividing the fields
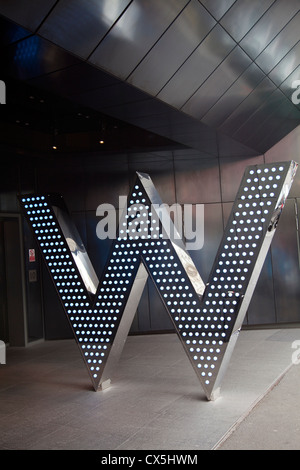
x=155 y=401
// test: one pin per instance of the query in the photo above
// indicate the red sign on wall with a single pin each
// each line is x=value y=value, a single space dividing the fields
x=31 y=255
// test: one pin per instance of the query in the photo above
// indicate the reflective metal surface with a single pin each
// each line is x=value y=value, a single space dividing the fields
x=198 y=81
x=192 y=25
x=134 y=34
x=197 y=68
x=217 y=8
x=218 y=83
x=270 y=24
x=207 y=318
x=71 y=20
x=248 y=107
x=285 y=261
x=234 y=96
x=284 y=69
x=287 y=38
x=237 y=23
x=27 y=14
x=76 y=246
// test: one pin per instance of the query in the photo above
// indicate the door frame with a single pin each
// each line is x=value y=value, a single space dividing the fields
x=22 y=318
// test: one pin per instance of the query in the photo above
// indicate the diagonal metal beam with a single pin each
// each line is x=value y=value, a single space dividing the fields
x=207 y=318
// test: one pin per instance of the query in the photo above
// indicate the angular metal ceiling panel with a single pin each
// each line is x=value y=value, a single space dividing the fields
x=74 y=80
x=167 y=55
x=134 y=34
x=234 y=96
x=265 y=112
x=217 y=8
x=271 y=23
x=10 y=33
x=237 y=23
x=198 y=71
x=197 y=68
x=280 y=46
x=118 y=94
x=249 y=106
x=28 y=14
x=287 y=86
x=33 y=57
x=286 y=66
x=79 y=29
x=217 y=84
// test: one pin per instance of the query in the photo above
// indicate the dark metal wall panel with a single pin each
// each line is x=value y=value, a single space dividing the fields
x=96 y=248
x=134 y=34
x=13 y=284
x=142 y=320
x=33 y=286
x=231 y=171
x=285 y=150
x=79 y=29
x=213 y=231
x=262 y=309
x=285 y=259
x=239 y=150
x=163 y=60
x=197 y=181
x=28 y=14
x=197 y=68
x=56 y=177
x=55 y=321
x=159 y=318
x=105 y=181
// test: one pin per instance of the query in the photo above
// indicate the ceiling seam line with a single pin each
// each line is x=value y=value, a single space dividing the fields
x=46 y=17
x=227 y=89
x=207 y=78
x=172 y=22
x=255 y=112
x=254 y=60
x=266 y=75
x=192 y=52
x=211 y=14
x=256 y=22
x=108 y=31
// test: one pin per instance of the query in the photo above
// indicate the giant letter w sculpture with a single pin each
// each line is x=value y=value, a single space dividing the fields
x=207 y=317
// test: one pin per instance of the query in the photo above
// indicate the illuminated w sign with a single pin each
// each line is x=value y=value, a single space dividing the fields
x=207 y=318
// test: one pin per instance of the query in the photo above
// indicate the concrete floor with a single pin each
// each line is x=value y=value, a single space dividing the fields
x=155 y=401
